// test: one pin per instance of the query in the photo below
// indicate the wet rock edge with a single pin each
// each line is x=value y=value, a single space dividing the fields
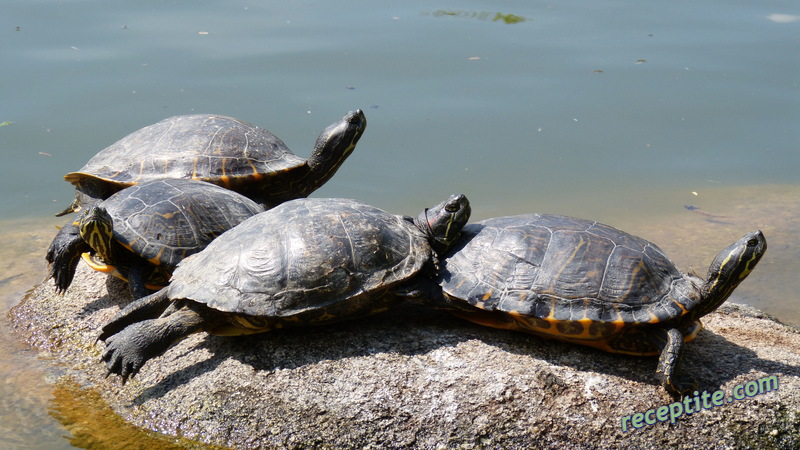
x=416 y=378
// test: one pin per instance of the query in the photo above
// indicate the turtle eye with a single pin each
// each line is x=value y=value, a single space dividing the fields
x=752 y=242
x=451 y=207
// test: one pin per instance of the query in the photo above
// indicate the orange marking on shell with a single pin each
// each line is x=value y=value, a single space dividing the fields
x=72 y=177
x=138 y=177
x=585 y=334
x=256 y=175
x=129 y=245
x=691 y=336
x=156 y=260
x=551 y=316
x=685 y=311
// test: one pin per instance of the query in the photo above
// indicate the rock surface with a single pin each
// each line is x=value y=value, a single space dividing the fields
x=416 y=378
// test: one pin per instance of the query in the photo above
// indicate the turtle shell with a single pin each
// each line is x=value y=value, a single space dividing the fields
x=565 y=276
x=222 y=150
x=313 y=256
x=165 y=220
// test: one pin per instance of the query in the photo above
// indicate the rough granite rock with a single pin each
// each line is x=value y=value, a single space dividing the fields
x=417 y=378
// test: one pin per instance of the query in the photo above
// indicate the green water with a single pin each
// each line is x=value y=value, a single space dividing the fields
x=617 y=111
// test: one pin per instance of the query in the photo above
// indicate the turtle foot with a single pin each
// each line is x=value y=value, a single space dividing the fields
x=62 y=276
x=63 y=256
x=127 y=351
x=679 y=387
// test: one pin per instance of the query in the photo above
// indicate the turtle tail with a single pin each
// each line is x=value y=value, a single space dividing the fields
x=148 y=307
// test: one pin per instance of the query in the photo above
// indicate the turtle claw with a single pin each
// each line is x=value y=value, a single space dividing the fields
x=116 y=365
x=103 y=335
x=123 y=379
x=124 y=353
x=680 y=387
x=62 y=271
x=63 y=255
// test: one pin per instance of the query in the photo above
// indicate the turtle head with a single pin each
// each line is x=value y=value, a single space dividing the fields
x=730 y=268
x=443 y=222
x=75 y=206
x=333 y=146
x=97 y=230
x=90 y=191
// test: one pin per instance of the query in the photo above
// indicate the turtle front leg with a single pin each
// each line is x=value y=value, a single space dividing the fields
x=669 y=362
x=127 y=351
x=137 y=275
x=64 y=254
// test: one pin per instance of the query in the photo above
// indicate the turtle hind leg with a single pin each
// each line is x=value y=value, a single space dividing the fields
x=671 y=341
x=128 y=350
x=148 y=307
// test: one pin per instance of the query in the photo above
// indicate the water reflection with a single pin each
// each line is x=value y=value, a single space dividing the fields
x=25 y=378
x=783 y=18
x=93 y=424
x=477 y=15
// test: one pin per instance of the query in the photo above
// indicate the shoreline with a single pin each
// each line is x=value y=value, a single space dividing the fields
x=690 y=234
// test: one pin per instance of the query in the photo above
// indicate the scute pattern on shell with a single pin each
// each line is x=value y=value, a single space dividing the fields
x=565 y=268
x=200 y=146
x=167 y=219
x=303 y=255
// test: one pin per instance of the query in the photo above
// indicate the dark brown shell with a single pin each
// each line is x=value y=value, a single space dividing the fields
x=305 y=255
x=214 y=148
x=565 y=269
x=166 y=220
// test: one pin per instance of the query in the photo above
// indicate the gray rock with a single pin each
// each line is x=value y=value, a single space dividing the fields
x=418 y=378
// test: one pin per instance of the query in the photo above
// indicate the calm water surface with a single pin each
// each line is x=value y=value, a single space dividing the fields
x=611 y=110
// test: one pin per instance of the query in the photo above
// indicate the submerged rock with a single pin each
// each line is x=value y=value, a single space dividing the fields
x=418 y=378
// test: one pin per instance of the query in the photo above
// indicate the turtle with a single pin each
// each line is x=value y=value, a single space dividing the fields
x=588 y=283
x=304 y=262
x=142 y=232
x=221 y=150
